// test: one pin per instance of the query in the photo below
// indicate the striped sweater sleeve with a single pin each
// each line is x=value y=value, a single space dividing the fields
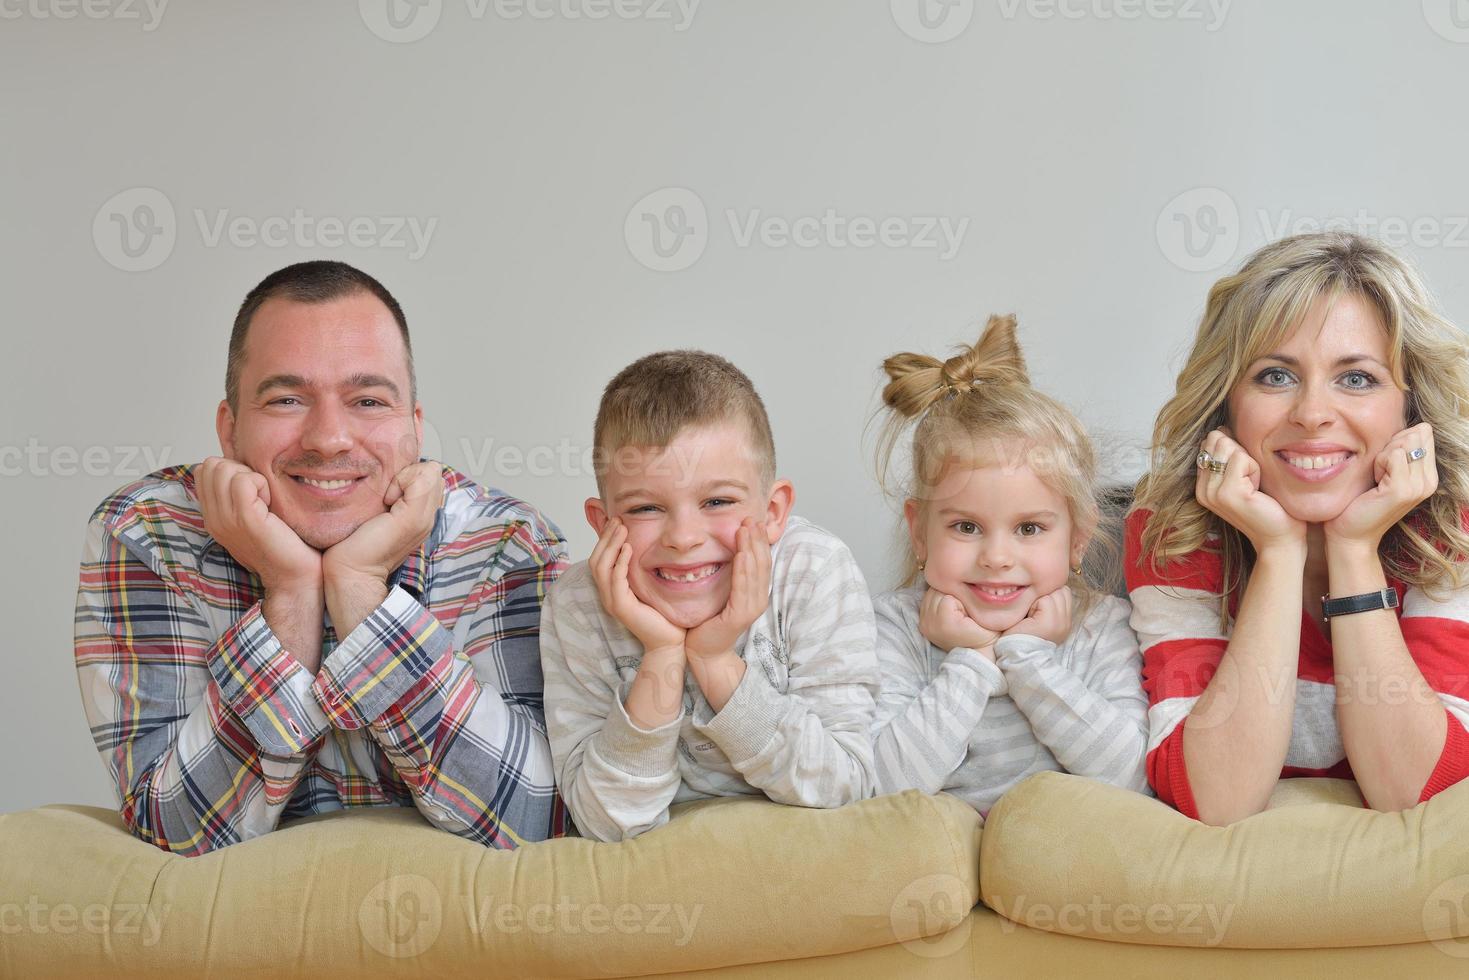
x=1436 y=633
x=924 y=719
x=1093 y=718
x=1176 y=620
x=616 y=778
x=811 y=744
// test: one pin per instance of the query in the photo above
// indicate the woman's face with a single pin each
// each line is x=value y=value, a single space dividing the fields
x=1315 y=412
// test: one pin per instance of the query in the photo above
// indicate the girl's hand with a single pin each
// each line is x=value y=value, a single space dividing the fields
x=1402 y=483
x=1235 y=496
x=1049 y=617
x=943 y=622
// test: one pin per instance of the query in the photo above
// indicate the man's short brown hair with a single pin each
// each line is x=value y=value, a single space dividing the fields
x=656 y=397
x=318 y=281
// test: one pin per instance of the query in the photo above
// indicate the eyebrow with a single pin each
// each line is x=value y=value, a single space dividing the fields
x=1038 y=515
x=706 y=488
x=297 y=381
x=1340 y=361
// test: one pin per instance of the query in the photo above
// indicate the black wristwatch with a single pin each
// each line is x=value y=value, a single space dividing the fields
x=1366 y=602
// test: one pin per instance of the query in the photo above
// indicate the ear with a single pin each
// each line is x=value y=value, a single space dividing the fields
x=1079 y=541
x=224 y=427
x=778 y=509
x=596 y=513
x=915 y=530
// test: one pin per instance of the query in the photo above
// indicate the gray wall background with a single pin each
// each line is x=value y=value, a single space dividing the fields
x=1108 y=158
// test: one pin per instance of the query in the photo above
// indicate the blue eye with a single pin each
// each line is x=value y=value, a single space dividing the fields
x=1274 y=377
x=1359 y=380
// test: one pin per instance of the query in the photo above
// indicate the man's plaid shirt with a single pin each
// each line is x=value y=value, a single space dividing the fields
x=213 y=733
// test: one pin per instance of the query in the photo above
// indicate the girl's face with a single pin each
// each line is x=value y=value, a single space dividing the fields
x=995 y=537
x=1315 y=412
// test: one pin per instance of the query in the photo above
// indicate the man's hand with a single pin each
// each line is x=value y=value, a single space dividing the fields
x=610 y=562
x=235 y=503
x=943 y=622
x=749 y=595
x=355 y=570
x=1049 y=617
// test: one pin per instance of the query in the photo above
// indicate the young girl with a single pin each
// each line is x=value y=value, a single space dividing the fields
x=998 y=660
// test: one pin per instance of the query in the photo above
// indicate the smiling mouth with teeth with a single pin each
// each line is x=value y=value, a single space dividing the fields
x=325 y=484
x=1314 y=462
x=694 y=575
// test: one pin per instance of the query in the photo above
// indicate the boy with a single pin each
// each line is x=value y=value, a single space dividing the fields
x=713 y=645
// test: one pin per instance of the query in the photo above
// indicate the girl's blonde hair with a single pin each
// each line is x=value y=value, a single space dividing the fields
x=975 y=408
x=1248 y=315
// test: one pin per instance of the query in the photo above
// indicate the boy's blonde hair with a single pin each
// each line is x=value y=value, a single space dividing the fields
x=967 y=407
x=656 y=397
x=1248 y=314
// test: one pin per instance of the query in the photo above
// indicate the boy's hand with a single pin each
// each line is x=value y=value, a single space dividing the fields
x=1049 y=617
x=610 y=561
x=749 y=595
x=943 y=622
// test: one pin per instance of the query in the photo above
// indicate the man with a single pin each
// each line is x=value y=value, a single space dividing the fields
x=318 y=620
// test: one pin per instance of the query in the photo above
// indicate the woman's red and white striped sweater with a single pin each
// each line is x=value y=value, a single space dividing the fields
x=1176 y=618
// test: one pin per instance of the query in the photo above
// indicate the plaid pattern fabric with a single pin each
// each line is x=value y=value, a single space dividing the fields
x=213 y=733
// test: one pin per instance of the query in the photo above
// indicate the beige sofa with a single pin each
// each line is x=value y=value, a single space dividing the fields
x=1075 y=877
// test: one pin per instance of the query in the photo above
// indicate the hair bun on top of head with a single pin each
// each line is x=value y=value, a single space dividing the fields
x=917 y=381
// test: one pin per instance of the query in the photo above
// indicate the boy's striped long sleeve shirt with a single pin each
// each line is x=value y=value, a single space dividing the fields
x=213 y=733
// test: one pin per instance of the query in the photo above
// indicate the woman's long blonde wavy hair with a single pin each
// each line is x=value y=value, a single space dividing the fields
x=1249 y=314
x=978 y=407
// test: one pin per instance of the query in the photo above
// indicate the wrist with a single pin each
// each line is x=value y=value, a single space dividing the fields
x=1351 y=548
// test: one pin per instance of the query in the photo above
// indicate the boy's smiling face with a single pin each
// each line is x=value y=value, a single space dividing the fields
x=682 y=505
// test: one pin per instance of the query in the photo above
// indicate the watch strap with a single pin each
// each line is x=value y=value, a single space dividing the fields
x=1366 y=602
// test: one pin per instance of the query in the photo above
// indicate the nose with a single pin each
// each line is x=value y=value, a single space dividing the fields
x=1312 y=407
x=995 y=552
x=326 y=432
x=682 y=531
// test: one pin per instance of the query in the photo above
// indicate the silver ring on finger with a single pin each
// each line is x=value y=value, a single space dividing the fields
x=1208 y=462
x=1416 y=453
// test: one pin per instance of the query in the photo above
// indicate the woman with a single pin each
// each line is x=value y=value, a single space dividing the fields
x=1296 y=556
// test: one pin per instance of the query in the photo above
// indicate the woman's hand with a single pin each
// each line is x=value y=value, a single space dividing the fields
x=1236 y=497
x=1402 y=483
